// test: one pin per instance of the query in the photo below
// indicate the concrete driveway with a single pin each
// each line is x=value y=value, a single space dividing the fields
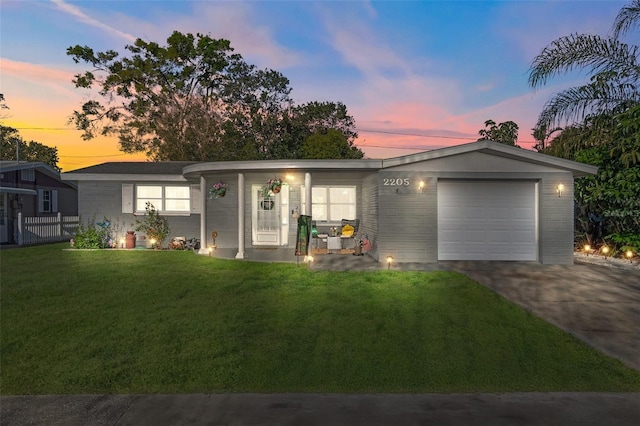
x=598 y=304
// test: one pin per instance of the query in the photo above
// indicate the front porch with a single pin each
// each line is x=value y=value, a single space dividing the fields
x=329 y=262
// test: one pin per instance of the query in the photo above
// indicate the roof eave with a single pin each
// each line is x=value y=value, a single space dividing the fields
x=195 y=170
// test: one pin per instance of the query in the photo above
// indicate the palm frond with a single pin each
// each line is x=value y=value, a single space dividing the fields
x=584 y=51
x=576 y=103
x=628 y=17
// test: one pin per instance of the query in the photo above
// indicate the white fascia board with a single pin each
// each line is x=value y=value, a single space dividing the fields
x=122 y=177
x=267 y=165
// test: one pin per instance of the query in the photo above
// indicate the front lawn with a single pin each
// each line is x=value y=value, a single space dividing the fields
x=143 y=321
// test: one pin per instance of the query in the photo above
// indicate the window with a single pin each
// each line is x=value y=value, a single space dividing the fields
x=163 y=198
x=47 y=201
x=331 y=203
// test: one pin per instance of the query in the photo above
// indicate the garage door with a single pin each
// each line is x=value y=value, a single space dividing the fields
x=482 y=220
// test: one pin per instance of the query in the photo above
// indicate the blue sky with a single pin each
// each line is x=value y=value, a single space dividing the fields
x=415 y=75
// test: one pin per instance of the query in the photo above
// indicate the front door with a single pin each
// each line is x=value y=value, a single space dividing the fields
x=269 y=224
x=4 y=219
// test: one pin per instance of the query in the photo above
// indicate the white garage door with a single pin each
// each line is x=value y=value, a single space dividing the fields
x=481 y=220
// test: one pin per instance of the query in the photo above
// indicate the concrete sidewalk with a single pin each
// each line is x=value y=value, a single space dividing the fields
x=521 y=409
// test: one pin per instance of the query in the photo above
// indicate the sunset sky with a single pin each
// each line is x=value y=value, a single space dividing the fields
x=415 y=75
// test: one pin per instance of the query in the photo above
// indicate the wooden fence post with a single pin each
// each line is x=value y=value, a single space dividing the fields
x=59 y=225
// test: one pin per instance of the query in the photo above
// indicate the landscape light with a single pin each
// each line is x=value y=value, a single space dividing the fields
x=630 y=255
x=389 y=260
x=605 y=251
x=587 y=249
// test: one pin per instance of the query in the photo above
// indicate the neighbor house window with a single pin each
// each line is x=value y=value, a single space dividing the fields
x=331 y=203
x=165 y=198
x=47 y=201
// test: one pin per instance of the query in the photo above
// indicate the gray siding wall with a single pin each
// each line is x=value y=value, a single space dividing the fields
x=407 y=225
x=408 y=218
x=222 y=215
x=369 y=213
x=103 y=199
x=556 y=219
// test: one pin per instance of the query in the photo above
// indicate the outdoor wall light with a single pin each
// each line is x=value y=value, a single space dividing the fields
x=605 y=250
x=629 y=255
x=559 y=189
x=421 y=185
x=389 y=260
x=587 y=249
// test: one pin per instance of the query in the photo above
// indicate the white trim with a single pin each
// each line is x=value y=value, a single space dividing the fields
x=241 y=210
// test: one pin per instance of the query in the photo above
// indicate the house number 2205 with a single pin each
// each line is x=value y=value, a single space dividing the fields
x=396 y=181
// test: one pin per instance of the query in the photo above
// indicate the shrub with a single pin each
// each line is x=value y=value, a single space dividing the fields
x=154 y=226
x=93 y=236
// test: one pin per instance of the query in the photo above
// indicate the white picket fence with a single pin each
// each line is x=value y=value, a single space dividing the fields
x=34 y=230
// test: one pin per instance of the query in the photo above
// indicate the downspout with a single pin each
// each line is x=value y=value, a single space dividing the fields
x=240 y=254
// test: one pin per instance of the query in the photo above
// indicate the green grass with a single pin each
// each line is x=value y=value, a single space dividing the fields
x=170 y=322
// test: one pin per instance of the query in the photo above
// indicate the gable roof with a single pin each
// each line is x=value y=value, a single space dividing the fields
x=500 y=150
x=11 y=166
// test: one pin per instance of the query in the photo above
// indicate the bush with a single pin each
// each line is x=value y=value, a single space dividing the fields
x=93 y=236
x=154 y=226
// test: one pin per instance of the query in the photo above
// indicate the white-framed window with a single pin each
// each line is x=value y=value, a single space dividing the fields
x=47 y=201
x=331 y=203
x=165 y=198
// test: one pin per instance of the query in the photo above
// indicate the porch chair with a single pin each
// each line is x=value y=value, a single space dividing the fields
x=355 y=223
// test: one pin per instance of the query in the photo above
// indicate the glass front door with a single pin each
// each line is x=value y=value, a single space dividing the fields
x=269 y=224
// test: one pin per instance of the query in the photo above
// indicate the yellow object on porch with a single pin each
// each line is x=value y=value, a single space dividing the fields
x=347 y=230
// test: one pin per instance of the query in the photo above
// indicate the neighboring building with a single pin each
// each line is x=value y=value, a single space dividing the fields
x=478 y=201
x=33 y=189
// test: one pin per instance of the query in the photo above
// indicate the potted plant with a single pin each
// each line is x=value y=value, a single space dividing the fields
x=273 y=186
x=218 y=190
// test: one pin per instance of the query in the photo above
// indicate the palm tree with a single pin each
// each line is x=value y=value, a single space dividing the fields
x=614 y=67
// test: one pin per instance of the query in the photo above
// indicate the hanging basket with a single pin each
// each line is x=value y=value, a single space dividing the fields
x=276 y=189
x=218 y=190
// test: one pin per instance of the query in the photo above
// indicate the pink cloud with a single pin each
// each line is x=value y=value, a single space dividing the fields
x=54 y=79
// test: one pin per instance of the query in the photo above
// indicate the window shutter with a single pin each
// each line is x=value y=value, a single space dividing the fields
x=40 y=200
x=54 y=201
x=127 y=198
x=196 y=199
